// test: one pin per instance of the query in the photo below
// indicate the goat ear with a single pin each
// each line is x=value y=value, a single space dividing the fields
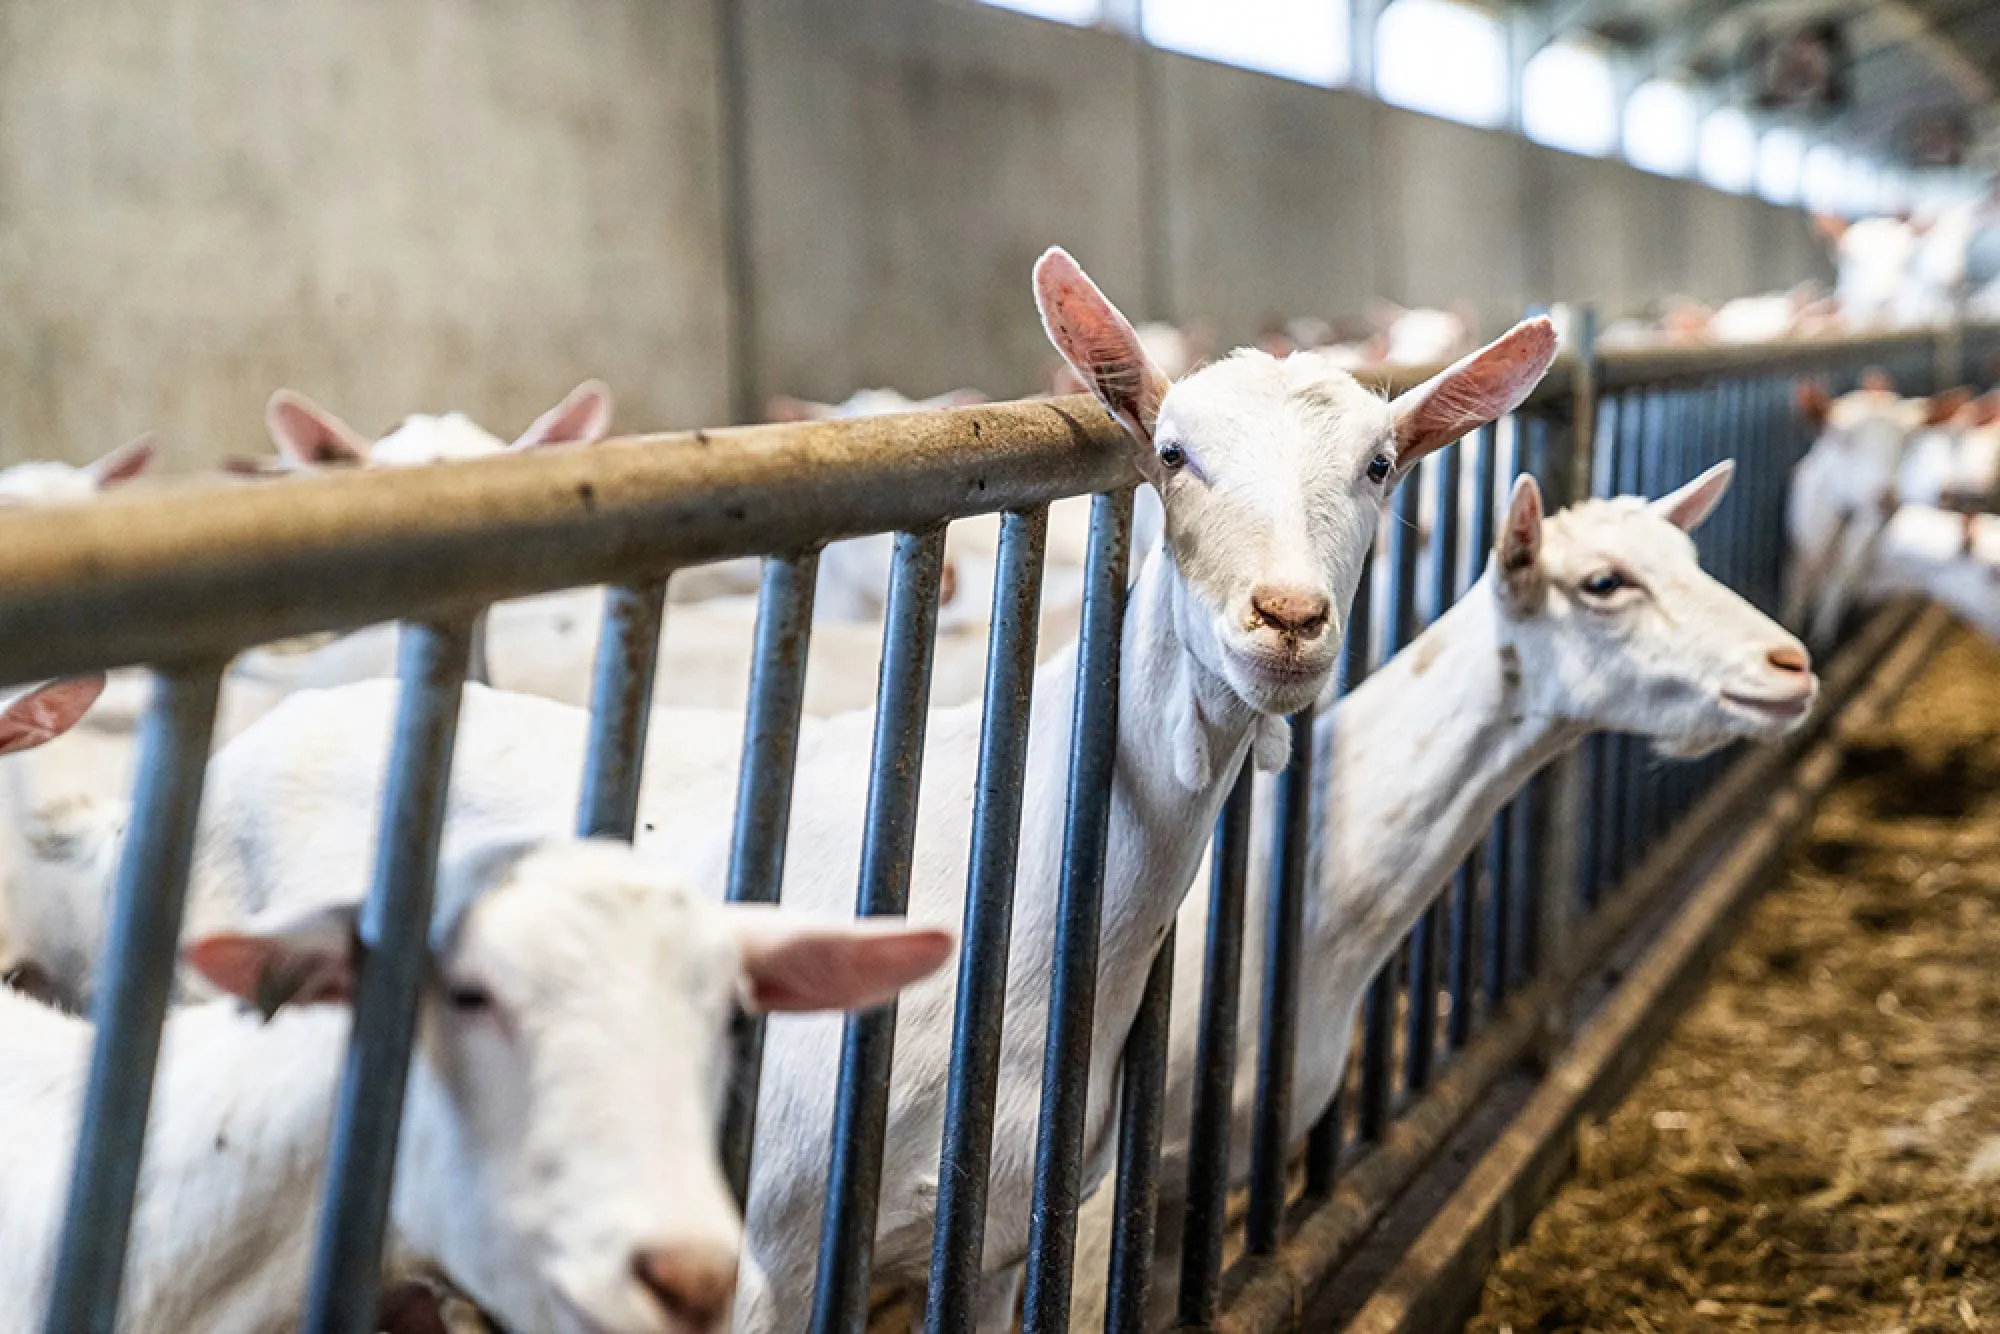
x=308 y=434
x=790 y=964
x=1518 y=551
x=1686 y=508
x=125 y=462
x=1829 y=227
x=582 y=418
x=1473 y=391
x=1986 y=409
x=1812 y=400
x=785 y=408
x=1100 y=345
x=1941 y=408
x=304 y=961
x=44 y=713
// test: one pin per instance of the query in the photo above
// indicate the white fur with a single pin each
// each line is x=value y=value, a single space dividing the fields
x=1276 y=492
x=1419 y=758
x=550 y=1137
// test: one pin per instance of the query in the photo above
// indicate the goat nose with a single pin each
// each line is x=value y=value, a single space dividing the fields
x=1291 y=610
x=692 y=1283
x=1791 y=658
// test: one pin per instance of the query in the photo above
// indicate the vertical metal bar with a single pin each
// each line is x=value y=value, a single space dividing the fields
x=764 y=813
x=1500 y=970
x=395 y=952
x=1378 y=1016
x=1463 y=952
x=131 y=1003
x=1420 y=1028
x=1523 y=947
x=1323 y=1141
x=867 y=1043
x=1215 y=1061
x=1073 y=991
x=1277 y=1045
x=1141 y=1117
x=960 y=1232
x=621 y=704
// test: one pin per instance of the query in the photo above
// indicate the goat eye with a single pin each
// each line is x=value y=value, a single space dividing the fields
x=1379 y=468
x=1603 y=584
x=470 y=999
x=1172 y=455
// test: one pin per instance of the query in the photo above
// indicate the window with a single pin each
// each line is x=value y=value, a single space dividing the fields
x=1660 y=128
x=1726 y=155
x=1824 y=178
x=1442 y=57
x=1079 y=12
x=1780 y=163
x=1299 y=39
x=1569 y=100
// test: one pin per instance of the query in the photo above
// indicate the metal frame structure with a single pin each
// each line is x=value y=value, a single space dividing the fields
x=185 y=577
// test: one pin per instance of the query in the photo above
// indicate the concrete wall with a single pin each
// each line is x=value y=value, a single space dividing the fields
x=473 y=204
x=393 y=206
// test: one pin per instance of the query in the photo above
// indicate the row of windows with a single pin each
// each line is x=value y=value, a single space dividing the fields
x=1449 y=58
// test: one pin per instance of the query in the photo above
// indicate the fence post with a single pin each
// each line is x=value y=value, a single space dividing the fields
x=1559 y=809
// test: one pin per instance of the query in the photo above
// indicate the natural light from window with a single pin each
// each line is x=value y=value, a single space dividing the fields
x=1064 y=11
x=1442 y=57
x=1824 y=178
x=1569 y=100
x=1660 y=128
x=1780 y=161
x=1727 y=154
x=1297 y=39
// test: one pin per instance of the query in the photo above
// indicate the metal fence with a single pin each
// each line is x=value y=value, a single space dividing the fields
x=184 y=579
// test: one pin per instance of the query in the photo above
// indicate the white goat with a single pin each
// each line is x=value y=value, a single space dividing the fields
x=1272 y=475
x=557 y=1157
x=1599 y=618
x=1949 y=556
x=1842 y=493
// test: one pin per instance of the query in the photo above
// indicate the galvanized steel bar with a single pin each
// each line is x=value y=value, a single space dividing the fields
x=394 y=935
x=1073 y=991
x=1141 y=1117
x=1207 y=1210
x=959 y=1233
x=1356 y=653
x=621 y=703
x=867 y=1045
x=1277 y=1033
x=131 y=1001
x=764 y=813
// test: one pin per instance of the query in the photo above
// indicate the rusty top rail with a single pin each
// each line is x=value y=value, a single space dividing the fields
x=190 y=570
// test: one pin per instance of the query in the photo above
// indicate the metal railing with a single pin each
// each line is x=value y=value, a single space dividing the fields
x=184 y=578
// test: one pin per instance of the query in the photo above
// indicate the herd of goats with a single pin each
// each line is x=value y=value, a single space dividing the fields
x=558 y=1167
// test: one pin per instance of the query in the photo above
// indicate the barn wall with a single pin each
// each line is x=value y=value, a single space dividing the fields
x=462 y=204
x=459 y=203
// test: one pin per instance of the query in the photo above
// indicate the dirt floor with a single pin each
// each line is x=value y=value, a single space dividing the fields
x=1818 y=1146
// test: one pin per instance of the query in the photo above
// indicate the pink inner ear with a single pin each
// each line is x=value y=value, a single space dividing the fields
x=839 y=970
x=785 y=408
x=583 y=417
x=1098 y=342
x=44 y=714
x=1524 y=524
x=232 y=963
x=122 y=465
x=1488 y=384
x=306 y=433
